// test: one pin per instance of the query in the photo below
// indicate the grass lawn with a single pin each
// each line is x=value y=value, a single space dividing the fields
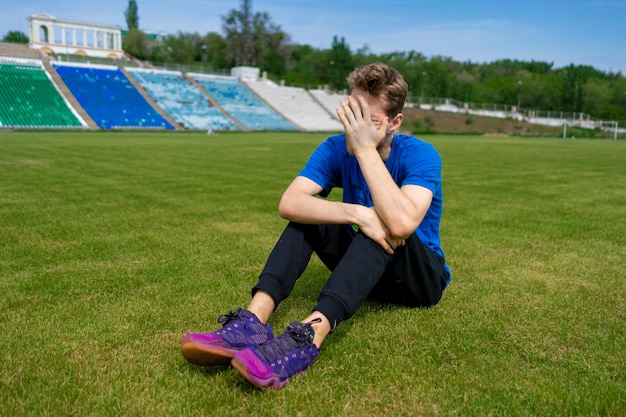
x=113 y=245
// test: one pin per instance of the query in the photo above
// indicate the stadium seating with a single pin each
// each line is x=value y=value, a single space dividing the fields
x=28 y=98
x=242 y=104
x=330 y=101
x=109 y=97
x=183 y=101
x=297 y=105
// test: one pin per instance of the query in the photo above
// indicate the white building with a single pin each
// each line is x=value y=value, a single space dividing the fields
x=49 y=34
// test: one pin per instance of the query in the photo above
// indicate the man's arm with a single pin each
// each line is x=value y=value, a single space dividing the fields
x=300 y=204
x=401 y=210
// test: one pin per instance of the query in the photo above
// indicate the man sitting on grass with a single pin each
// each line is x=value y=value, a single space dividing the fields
x=381 y=241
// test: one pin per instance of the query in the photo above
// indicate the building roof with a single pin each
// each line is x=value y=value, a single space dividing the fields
x=49 y=17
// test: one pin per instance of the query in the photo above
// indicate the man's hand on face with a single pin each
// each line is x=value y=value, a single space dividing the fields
x=362 y=133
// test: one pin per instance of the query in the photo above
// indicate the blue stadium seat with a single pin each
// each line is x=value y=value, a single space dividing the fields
x=182 y=100
x=242 y=104
x=109 y=98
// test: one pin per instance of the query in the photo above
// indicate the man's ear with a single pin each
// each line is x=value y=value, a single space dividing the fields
x=394 y=124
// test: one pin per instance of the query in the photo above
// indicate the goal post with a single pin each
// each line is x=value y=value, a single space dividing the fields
x=610 y=126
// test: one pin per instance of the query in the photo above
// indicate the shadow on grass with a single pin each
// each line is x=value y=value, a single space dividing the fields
x=223 y=376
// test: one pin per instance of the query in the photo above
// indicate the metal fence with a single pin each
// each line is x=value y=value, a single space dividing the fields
x=125 y=62
x=612 y=128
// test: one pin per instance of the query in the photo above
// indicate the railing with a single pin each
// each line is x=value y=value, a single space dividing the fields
x=544 y=117
x=125 y=62
x=195 y=68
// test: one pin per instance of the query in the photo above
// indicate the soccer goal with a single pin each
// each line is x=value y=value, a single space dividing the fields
x=610 y=126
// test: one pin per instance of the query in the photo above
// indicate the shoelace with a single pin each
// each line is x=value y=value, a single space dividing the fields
x=224 y=319
x=297 y=335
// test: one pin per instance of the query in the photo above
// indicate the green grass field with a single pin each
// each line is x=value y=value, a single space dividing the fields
x=113 y=245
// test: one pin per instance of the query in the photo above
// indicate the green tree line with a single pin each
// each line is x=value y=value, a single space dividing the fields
x=527 y=85
x=254 y=39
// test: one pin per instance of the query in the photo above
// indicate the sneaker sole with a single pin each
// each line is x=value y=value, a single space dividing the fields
x=271 y=383
x=205 y=355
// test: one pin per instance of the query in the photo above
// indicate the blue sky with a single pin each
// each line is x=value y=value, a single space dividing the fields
x=586 y=32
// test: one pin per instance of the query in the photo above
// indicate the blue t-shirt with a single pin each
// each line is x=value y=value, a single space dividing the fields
x=411 y=161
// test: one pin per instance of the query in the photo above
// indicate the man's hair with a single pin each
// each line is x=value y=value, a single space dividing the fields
x=381 y=81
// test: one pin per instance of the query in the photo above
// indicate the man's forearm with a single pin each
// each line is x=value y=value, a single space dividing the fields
x=307 y=209
x=313 y=210
x=393 y=206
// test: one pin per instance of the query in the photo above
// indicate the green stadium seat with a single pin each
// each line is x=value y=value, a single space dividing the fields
x=30 y=99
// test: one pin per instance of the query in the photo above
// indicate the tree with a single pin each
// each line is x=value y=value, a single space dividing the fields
x=613 y=112
x=596 y=97
x=249 y=37
x=464 y=85
x=541 y=92
x=215 y=51
x=236 y=27
x=438 y=78
x=574 y=79
x=15 y=36
x=304 y=66
x=270 y=45
x=246 y=35
x=132 y=15
x=340 y=64
x=135 y=44
x=253 y=39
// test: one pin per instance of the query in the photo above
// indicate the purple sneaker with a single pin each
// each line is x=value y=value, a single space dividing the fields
x=240 y=330
x=272 y=364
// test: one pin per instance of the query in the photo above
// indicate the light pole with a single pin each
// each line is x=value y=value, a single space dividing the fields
x=423 y=83
x=204 y=58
